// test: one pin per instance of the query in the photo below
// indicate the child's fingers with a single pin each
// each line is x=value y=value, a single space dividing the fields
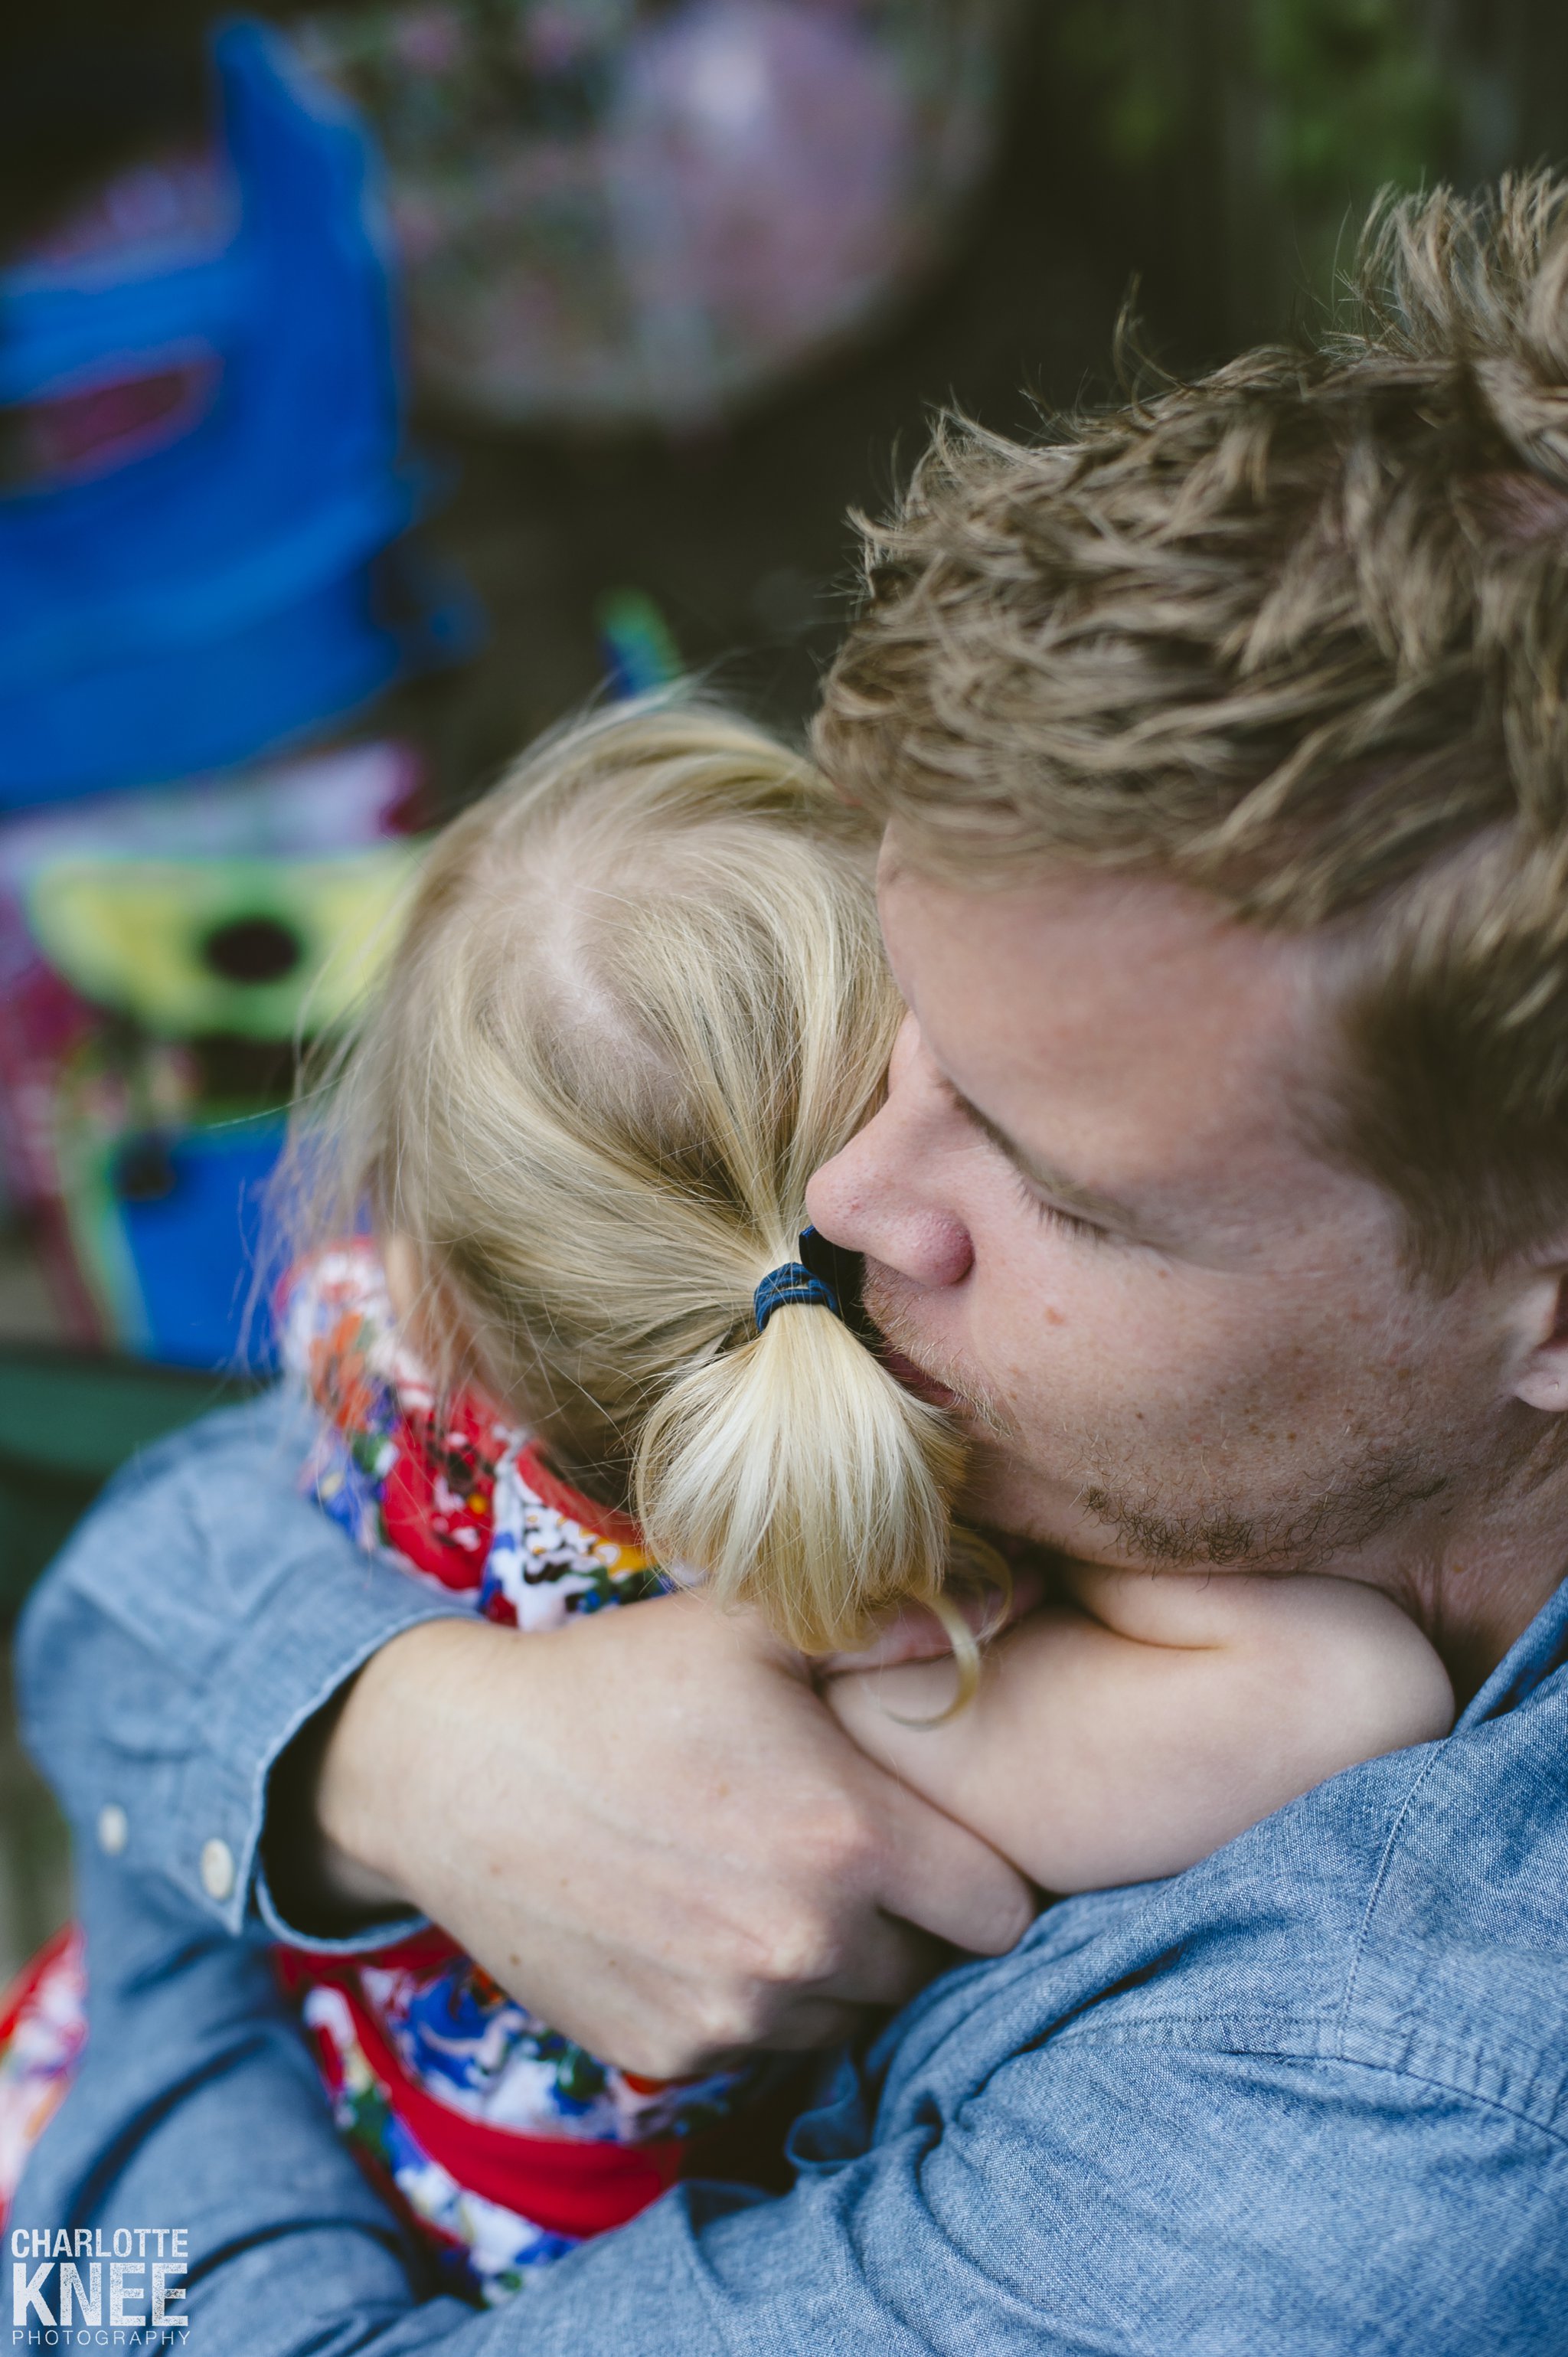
x=915 y=1633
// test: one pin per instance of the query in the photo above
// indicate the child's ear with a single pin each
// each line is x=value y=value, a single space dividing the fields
x=421 y=1307
x=1541 y=1373
x=400 y=1262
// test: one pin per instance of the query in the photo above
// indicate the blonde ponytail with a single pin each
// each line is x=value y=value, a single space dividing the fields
x=802 y=1479
x=641 y=997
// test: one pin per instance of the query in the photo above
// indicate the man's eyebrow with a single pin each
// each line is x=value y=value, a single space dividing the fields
x=1070 y=1193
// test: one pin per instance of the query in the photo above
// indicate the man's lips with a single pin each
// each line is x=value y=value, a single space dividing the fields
x=913 y=1378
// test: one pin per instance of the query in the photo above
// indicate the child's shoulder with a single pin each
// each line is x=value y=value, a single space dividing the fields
x=1332 y=1644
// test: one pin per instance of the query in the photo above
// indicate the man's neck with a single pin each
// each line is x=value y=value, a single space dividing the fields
x=1476 y=1610
x=1480 y=1577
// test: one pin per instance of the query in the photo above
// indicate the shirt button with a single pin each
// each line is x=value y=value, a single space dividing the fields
x=217 y=1869
x=113 y=1829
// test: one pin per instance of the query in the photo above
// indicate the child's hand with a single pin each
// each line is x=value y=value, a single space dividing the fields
x=915 y=1633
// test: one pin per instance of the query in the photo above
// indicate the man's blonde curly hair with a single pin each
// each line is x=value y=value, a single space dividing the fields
x=1297 y=634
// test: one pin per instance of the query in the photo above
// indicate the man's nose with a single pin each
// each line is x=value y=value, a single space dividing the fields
x=876 y=1197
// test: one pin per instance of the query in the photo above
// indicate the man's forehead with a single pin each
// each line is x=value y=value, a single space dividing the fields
x=1131 y=1017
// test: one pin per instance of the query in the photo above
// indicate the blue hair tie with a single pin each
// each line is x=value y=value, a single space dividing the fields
x=793 y=1281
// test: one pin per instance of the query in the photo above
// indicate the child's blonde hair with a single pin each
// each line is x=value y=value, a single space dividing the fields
x=639 y=996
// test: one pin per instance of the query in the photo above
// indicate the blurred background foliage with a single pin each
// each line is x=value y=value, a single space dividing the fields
x=1218 y=153
x=1240 y=141
x=1190 y=134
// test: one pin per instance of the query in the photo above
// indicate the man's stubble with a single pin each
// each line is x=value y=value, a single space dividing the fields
x=1171 y=1514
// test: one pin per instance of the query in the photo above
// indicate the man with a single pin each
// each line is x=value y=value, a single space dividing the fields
x=1222 y=1188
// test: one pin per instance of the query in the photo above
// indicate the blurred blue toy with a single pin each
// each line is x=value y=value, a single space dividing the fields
x=634 y=638
x=188 y=1219
x=215 y=595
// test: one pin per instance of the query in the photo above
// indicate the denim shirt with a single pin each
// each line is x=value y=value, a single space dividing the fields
x=1310 y=2096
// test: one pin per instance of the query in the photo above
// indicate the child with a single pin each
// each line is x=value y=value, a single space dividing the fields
x=640 y=998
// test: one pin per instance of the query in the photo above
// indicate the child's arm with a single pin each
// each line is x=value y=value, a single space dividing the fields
x=1127 y=1738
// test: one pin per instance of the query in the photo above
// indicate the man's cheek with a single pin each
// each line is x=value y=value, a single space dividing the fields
x=1063 y=1370
x=1075 y=1315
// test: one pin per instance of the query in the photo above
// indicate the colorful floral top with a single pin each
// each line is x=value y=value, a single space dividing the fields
x=43 y=2028
x=502 y=2140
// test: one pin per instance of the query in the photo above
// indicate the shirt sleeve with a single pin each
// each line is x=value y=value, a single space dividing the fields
x=1124 y=2195
x=200 y=1615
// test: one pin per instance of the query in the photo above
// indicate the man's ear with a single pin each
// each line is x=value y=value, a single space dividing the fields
x=1540 y=1371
